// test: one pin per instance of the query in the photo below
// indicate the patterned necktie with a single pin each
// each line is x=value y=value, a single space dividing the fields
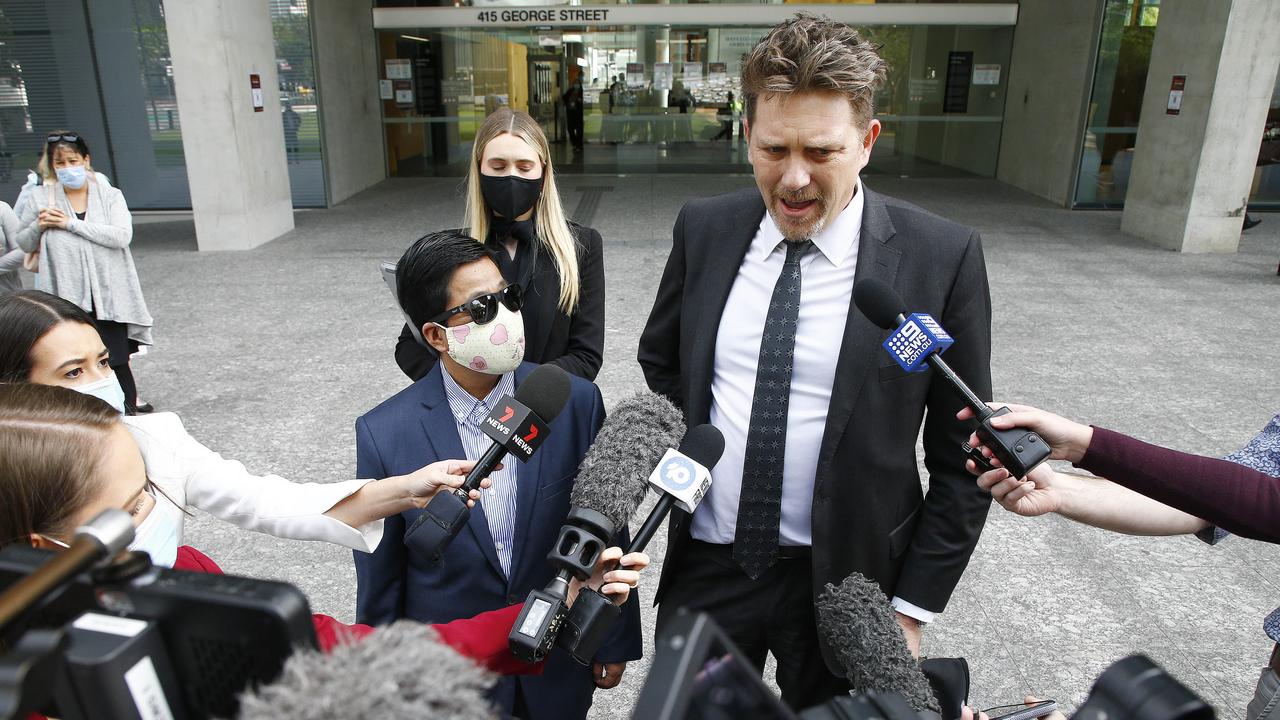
x=755 y=544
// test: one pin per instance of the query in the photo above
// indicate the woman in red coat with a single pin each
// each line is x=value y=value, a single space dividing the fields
x=66 y=456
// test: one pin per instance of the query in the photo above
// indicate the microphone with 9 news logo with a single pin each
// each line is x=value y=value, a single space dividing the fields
x=919 y=338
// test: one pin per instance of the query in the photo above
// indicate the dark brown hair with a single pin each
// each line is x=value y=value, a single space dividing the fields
x=25 y=317
x=808 y=53
x=52 y=441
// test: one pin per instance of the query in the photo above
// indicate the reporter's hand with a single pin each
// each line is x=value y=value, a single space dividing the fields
x=1055 y=715
x=608 y=675
x=609 y=579
x=967 y=713
x=422 y=484
x=1067 y=439
x=1032 y=496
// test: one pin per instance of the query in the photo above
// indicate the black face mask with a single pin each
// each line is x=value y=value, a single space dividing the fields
x=510 y=196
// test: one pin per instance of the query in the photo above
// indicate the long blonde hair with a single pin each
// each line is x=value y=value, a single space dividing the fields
x=553 y=228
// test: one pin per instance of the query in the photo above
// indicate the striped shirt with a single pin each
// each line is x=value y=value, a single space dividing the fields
x=499 y=501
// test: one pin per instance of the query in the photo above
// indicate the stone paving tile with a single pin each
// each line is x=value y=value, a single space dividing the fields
x=269 y=356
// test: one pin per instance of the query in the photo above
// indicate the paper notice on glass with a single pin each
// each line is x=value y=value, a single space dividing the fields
x=399 y=70
x=693 y=75
x=986 y=74
x=717 y=73
x=385 y=89
x=635 y=75
x=663 y=76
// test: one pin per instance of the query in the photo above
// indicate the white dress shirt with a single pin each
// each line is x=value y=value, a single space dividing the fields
x=826 y=290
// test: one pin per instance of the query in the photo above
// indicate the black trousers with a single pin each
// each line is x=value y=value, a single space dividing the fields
x=773 y=613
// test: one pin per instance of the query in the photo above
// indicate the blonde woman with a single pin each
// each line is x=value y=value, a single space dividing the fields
x=514 y=208
x=81 y=228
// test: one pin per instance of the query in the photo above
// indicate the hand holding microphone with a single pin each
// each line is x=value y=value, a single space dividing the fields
x=1068 y=440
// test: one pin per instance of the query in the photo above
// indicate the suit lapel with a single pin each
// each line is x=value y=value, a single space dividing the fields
x=441 y=430
x=720 y=264
x=528 y=485
x=861 y=337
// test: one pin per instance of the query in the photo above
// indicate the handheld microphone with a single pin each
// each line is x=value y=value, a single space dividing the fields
x=610 y=485
x=857 y=621
x=919 y=338
x=109 y=532
x=518 y=426
x=681 y=478
x=400 y=672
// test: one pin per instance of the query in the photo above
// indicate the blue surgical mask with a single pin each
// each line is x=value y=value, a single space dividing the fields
x=108 y=389
x=73 y=176
x=158 y=533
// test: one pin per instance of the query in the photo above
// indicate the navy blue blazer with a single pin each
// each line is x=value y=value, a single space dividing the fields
x=415 y=427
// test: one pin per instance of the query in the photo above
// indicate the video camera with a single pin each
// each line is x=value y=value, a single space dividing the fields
x=127 y=639
x=698 y=674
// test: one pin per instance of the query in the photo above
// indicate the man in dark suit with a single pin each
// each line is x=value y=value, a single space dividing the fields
x=754 y=330
x=451 y=289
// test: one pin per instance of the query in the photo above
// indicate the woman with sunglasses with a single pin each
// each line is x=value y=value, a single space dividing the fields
x=65 y=458
x=81 y=228
x=514 y=208
x=48 y=341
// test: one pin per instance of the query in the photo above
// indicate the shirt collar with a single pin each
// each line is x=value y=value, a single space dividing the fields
x=464 y=406
x=837 y=241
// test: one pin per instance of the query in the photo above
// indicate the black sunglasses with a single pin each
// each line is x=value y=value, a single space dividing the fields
x=62 y=138
x=485 y=308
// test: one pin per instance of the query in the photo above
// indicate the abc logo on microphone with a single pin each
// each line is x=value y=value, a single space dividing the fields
x=683 y=479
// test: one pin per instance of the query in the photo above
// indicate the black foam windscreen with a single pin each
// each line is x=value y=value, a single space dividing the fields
x=400 y=672
x=879 y=302
x=858 y=623
x=704 y=445
x=544 y=391
x=614 y=474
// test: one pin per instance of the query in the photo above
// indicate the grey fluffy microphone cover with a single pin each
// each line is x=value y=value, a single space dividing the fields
x=858 y=623
x=399 y=672
x=614 y=474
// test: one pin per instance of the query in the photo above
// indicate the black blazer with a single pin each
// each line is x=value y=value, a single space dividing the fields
x=574 y=342
x=869 y=513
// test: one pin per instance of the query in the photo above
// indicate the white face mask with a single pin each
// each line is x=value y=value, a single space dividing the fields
x=108 y=389
x=495 y=348
x=159 y=533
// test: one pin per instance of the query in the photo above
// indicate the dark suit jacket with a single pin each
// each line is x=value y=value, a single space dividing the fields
x=573 y=342
x=869 y=513
x=416 y=427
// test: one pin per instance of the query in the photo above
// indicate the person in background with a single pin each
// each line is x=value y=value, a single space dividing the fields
x=292 y=123
x=46 y=340
x=574 y=108
x=12 y=256
x=82 y=229
x=1144 y=489
x=513 y=206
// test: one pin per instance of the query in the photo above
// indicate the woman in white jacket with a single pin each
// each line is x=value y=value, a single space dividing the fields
x=47 y=340
x=81 y=228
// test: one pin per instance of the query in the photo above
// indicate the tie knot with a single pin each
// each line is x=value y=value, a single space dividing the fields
x=796 y=250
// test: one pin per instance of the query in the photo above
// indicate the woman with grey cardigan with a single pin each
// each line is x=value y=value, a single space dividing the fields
x=11 y=256
x=81 y=229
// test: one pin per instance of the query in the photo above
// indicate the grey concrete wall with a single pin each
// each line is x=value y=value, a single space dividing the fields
x=1049 y=84
x=236 y=162
x=1192 y=171
x=350 y=113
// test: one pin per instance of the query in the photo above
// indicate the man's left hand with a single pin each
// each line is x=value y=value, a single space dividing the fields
x=608 y=675
x=912 y=631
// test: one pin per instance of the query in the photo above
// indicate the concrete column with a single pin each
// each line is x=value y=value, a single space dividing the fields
x=1049 y=80
x=236 y=164
x=350 y=111
x=1192 y=171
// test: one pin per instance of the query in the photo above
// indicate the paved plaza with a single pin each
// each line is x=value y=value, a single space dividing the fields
x=270 y=355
